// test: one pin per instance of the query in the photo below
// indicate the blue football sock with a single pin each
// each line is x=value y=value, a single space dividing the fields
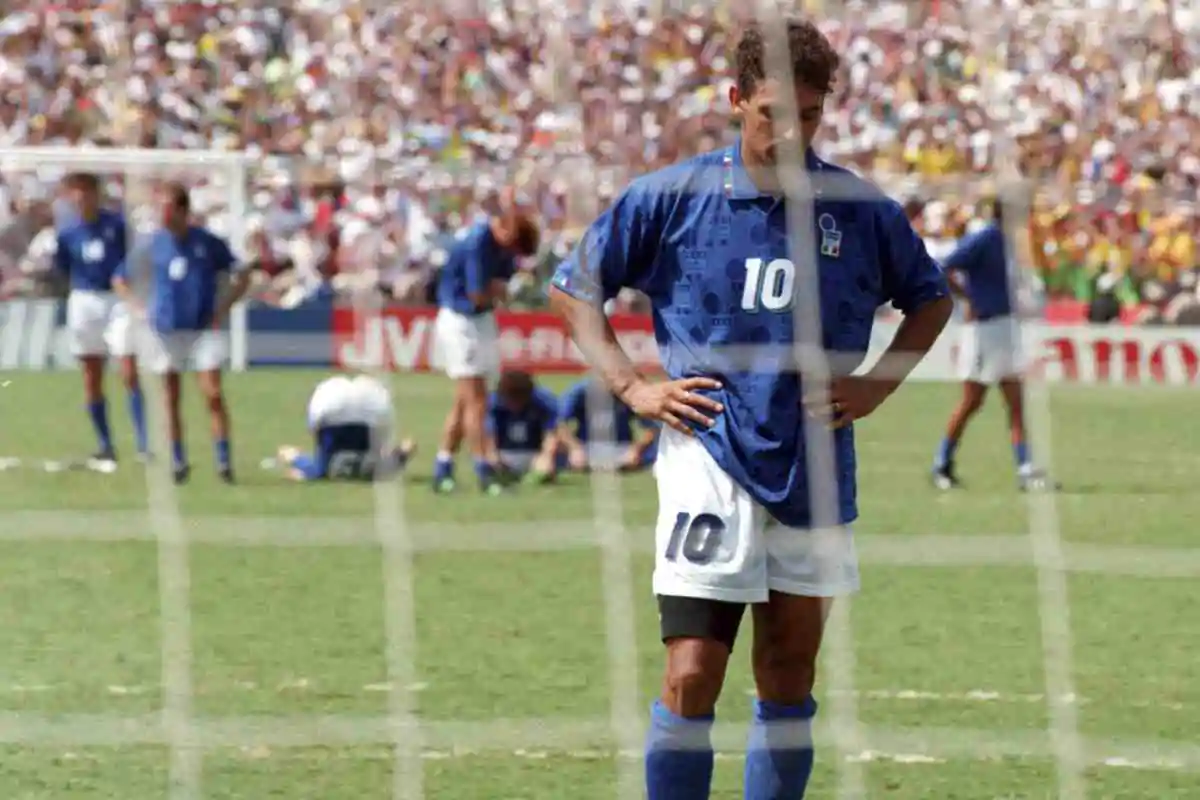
x=945 y=453
x=1020 y=453
x=221 y=448
x=484 y=471
x=443 y=468
x=679 y=756
x=137 y=412
x=779 y=758
x=98 y=411
x=178 y=455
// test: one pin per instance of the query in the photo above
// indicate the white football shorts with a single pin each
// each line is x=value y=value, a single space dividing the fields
x=361 y=400
x=714 y=541
x=179 y=351
x=518 y=462
x=467 y=347
x=98 y=324
x=990 y=351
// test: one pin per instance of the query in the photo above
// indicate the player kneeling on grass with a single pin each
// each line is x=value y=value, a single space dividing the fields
x=599 y=435
x=351 y=423
x=520 y=427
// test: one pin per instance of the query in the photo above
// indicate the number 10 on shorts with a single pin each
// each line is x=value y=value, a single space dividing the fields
x=696 y=538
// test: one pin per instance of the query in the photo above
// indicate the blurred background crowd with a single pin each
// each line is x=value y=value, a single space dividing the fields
x=373 y=132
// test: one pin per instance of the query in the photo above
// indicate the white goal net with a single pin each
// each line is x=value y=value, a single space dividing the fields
x=945 y=104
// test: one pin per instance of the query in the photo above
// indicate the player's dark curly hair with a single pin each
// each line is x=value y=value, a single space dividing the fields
x=528 y=237
x=814 y=61
x=85 y=181
x=180 y=197
x=515 y=386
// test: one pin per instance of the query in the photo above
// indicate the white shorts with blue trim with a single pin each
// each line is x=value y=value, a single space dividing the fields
x=467 y=346
x=181 y=351
x=989 y=351
x=714 y=541
x=98 y=324
x=518 y=462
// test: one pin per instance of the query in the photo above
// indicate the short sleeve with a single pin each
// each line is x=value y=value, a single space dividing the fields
x=911 y=278
x=617 y=250
x=223 y=258
x=964 y=255
x=62 y=255
x=138 y=260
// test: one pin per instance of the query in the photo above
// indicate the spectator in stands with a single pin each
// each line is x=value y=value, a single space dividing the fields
x=425 y=110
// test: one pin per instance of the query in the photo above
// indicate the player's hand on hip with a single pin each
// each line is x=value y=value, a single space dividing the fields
x=848 y=399
x=675 y=403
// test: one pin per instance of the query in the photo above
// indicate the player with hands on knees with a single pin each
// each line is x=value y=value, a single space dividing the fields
x=597 y=431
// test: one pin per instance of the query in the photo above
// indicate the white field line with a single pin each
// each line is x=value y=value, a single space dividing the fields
x=932 y=550
x=302 y=685
x=560 y=738
x=361 y=754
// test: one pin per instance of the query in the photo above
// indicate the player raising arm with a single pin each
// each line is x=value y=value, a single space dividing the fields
x=990 y=351
x=626 y=450
x=192 y=281
x=470 y=285
x=91 y=247
x=707 y=241
x=351 y=422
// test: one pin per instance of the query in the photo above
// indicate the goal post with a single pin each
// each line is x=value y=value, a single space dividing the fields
x=230 y=168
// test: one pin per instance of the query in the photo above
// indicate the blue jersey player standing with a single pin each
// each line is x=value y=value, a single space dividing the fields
x=989 y=351
x=471 y=283
x=707 y=241
x=90 y=249
x=192 y=280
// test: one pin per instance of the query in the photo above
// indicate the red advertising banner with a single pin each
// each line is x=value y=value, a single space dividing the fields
x=1075 y=312
x=403 y=339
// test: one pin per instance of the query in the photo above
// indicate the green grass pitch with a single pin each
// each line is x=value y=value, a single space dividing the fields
x=288 y=623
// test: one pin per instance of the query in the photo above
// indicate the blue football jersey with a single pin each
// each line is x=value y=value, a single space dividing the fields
x=473 y=262
x=712 y=253
x=91 y=253
x=184 y=277
x=982 y=259
x=523 y=431
x=573 y=408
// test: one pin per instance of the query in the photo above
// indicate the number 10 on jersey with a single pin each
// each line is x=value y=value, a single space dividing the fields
x=769 y=287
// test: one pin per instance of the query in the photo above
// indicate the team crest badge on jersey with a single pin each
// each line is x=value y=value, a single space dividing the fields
x=831 y=237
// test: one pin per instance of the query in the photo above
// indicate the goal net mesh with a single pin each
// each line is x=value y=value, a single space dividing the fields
x=980 y=46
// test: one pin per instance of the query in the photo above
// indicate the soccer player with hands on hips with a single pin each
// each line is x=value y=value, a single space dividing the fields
x=472 y=282
x=91 y=247
x=990 y=349
x=522 y=430
x=707 y=241
x=598 y=431
x=191 y=280
x=351 y=421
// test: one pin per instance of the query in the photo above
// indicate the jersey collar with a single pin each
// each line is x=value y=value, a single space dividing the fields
x=736 y=181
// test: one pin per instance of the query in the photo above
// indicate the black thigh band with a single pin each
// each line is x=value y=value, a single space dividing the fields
x=695 y=618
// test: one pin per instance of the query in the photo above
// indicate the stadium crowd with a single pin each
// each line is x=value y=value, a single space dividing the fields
x=374 y=131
